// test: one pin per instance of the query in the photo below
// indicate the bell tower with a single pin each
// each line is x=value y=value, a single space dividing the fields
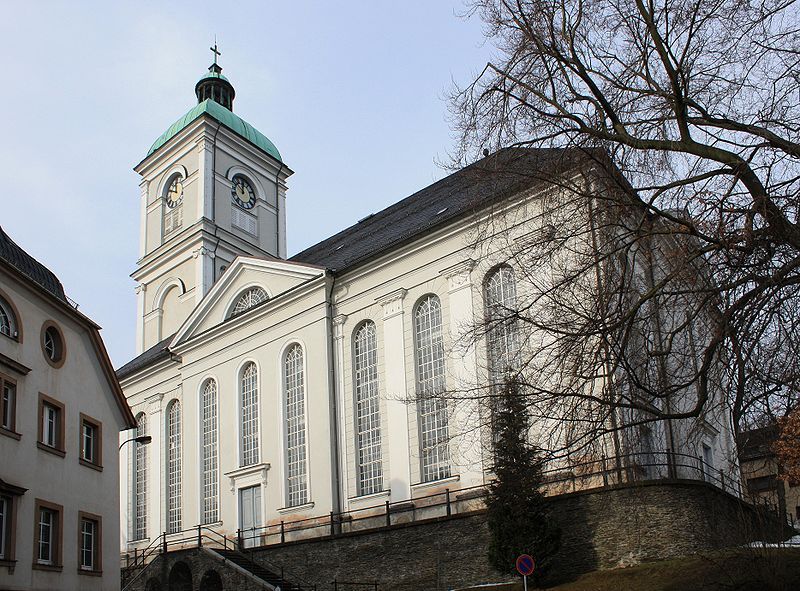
x=213 y=187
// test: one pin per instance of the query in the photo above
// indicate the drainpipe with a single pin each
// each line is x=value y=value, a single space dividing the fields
x=333 y=413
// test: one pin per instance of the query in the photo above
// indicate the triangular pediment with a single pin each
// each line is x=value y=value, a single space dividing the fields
x=244 y=274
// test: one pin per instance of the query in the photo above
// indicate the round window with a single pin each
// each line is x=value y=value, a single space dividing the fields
x=53 y=344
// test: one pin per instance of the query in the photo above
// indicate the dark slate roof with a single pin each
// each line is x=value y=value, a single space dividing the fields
x=12 y=254
x=466 y=191
x=155 y=353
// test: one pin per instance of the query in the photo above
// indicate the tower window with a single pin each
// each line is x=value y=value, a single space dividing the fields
x=173 y=205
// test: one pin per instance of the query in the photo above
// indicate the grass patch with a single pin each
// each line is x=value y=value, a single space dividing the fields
x=741 y=569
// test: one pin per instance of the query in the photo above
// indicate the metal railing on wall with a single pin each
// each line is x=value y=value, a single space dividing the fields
x=584 y=476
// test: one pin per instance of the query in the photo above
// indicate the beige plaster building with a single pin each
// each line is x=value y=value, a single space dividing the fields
x=62 y=411
x=277 y=389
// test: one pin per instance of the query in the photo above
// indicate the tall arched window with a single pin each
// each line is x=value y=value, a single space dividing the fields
x=8 y=322
x=502 y=335
x=431 y=408
x=249 y=415
x=174 y=467
x=250 y=298
x=367 y=411
x=139 y=473
x=294 y=384
x=210 y=492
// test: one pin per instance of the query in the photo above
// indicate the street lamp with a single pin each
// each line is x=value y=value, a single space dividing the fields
x=141 y=440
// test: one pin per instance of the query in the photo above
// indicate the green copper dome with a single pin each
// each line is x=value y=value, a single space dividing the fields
x=233 y=122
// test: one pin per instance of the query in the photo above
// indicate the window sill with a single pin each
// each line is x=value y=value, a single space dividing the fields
x=90 y=573
x=57 y=568
x=433 y=483
x=10 y=433
x=296 y=508
x=370 y=496
x=51 y=450
x=9 y=564
x=89 y=464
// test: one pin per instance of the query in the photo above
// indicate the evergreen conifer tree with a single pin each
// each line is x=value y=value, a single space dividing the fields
x=516 y=509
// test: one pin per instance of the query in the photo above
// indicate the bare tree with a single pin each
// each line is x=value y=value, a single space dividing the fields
x=673 y=258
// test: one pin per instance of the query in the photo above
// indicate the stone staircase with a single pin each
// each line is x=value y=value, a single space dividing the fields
x=260 y=571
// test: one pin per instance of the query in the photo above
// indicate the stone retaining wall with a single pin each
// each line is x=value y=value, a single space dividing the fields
x=601 y=528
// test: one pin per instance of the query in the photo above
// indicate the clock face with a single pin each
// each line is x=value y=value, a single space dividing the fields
x=175 y=193
x=242 y=193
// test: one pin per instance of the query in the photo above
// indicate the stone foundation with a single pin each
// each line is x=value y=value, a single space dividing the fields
x=601 y=529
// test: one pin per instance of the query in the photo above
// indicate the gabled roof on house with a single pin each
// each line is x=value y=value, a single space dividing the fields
x=12 y=253
x=40 y=276
x=466 y=191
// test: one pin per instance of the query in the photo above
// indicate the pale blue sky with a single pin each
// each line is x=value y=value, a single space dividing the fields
x=352 y=93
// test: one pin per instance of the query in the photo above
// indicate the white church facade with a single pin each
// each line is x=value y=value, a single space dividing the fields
x=277 y=389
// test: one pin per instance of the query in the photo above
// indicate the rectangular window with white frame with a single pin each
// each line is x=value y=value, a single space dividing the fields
x=5 y=522
x=51 y=425
x=9 y=501
x=89 y=542
x=91 y=438
x=8 y=405
x=48 y=532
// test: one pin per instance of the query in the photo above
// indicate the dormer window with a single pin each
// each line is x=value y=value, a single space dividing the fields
x=173 y=205
x=250 y=298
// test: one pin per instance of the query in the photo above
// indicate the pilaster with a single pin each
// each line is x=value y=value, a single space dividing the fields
x=204 y=272
x=205 y=193
x=144 y=188
x=140 y=310
x=338 y=351
x=465 y=448
x=396 y=391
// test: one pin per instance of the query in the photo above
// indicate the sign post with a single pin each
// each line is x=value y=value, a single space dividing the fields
x=525 y=566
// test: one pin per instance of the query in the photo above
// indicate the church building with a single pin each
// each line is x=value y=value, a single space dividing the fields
x=281 y=388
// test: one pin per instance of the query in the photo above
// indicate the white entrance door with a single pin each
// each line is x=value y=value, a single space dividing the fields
x=250 y=514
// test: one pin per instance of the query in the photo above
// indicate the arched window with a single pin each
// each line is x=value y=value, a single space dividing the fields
x=173 y=204
x=502 y=335
x=174 y=467
x=251 y=297
x=139 y=472
x=8 y=321
x=210 y=492
x=294 y=384
x=431 y=408
x=367 y=411
x=249 y=415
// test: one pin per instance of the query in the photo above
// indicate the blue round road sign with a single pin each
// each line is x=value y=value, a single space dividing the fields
x=525 y=565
